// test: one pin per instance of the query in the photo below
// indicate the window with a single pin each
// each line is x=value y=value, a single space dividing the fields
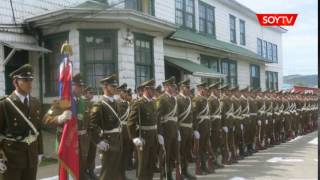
x=242 y=32
x=269 y=51
x=272 y=80
x=206 y=19
x=229 y=68
x=259 y=46
x=274 y=53
x=98 y=56
x=145 y=6
x=143 y=58
x=185 y=13
x=52 y=61
x=233 y=36
x=264 y=49
x=211 y=63
x=255 y=76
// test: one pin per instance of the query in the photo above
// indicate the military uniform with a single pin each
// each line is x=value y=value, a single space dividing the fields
x=20 y=132
x=201 y=114
x=167 y=108
x=83 y=107
x=124 y=110
x=260 y=121
x=253 y=123
x=245 y=114
x=185 y=121
x=226 y=111
x=105 y=126
x=237 y=124
x=142 y=124
x=216 y=131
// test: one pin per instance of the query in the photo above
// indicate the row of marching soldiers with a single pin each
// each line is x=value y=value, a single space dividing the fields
x=165 y=130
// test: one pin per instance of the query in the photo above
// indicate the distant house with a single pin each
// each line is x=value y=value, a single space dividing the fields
x=138 y=40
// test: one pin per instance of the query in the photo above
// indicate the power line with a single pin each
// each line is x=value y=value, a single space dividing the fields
x=13 y=16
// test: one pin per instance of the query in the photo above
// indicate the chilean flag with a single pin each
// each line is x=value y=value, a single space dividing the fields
x=68 y=151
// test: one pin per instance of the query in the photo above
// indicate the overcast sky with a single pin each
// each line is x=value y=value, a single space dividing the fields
x=300 y=54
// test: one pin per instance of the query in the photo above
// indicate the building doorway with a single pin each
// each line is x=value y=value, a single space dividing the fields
x=172 y=71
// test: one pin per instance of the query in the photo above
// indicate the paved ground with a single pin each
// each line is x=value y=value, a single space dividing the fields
x=295 y=160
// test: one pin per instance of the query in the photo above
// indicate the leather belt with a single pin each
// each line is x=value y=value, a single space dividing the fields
x=186 y=125
x=147 y=128
x=82 y=132
x=114 y=130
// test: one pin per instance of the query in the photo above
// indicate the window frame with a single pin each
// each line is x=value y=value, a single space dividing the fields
x=264 y=49
x=269 y=52
x=242 y=34
x=231 y=30
x=113 y=35
x=205 y=19
x=259 y=48
x=228 y=75
x=139 y=6
x=144 y=37
x=255 y=80
x=273 y=83
x=49 y=88
x=184 y=12
x=274 y=53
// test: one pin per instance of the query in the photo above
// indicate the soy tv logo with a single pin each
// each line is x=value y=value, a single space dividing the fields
x=277 y=19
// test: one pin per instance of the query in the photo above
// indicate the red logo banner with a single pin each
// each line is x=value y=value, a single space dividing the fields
x=277 y=19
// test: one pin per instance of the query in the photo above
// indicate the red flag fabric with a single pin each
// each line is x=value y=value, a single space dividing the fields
x=68 y=152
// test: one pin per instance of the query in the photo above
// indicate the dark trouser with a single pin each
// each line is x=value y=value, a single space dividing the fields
x=185 y=146
x=216 y=136
x=204 y=130
x=19 y=174
x=91 y=157
x=127 y=150
x=170 y=134
x=111 y=159
x=253 y=129
x=147 y=155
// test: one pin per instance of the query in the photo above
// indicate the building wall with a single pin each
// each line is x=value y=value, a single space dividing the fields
x=253 y=30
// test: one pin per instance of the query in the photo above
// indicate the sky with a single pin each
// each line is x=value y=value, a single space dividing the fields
x=300 y=43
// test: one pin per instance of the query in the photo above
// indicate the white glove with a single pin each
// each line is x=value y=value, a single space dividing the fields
x=3 y=166
x=65 y=116
x=241 y=126
x=138 y=142
x=273 y=121
x=196 y=134
x=160 y=139
x=103 y=146
x=225 y=129
x=259 y=122
x=40 y=156
x=267 y=122
x=179 y=136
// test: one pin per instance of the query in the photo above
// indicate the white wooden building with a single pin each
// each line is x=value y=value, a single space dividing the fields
x=139 y=40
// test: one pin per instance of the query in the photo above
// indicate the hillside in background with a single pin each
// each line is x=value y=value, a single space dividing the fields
x=301 y=80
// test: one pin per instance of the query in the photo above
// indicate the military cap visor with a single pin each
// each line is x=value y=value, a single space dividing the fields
x=202 y=85
x=24 y=72
x=224 y=87
x=214 y=85
x=123 y=87
x=148 y=84
x=77 y=80
x=184 y=83
x=170 y=81
x=110 y=80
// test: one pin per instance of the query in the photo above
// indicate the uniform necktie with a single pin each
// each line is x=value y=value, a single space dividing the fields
x=25 y=102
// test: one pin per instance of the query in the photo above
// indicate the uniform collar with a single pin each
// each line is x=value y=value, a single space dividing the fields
x=148 y=99
x=21 y=97
x=168 y=94
x=110 y=98
x=181 y=94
